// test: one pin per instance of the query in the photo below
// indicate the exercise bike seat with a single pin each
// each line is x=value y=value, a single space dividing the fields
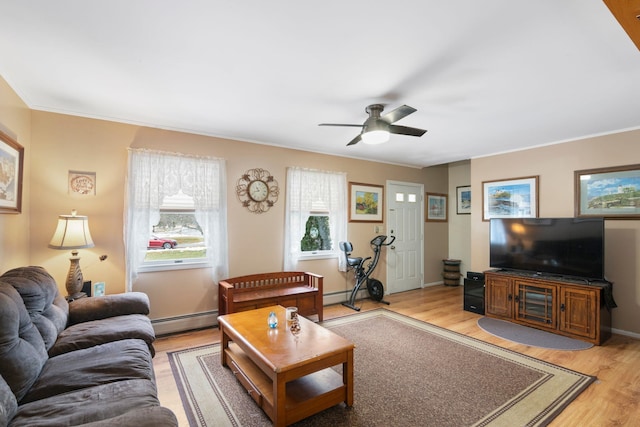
x=352 y=262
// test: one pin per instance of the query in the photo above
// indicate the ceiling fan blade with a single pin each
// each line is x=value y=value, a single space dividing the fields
x=398 y=113
x=355 y=140
x=340 y=124
x=405 y=130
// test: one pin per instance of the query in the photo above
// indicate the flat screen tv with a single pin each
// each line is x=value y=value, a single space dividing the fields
x=557 y=246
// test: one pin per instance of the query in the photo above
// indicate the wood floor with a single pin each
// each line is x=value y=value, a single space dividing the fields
x=613 y=400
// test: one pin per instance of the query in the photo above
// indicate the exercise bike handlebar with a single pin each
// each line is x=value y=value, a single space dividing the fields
x=379 y=240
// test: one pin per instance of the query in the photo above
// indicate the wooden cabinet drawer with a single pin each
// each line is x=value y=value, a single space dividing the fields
x=246 y=383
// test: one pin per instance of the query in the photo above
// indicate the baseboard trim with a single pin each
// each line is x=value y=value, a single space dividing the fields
x=625 y=333
x=428 y=285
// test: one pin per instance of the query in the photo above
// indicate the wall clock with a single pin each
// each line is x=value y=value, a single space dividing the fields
x=257 y=190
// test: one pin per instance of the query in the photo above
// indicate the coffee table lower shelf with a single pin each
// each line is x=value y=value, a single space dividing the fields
x=305 y=396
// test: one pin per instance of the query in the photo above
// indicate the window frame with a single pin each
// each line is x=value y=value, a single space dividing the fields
x=303 y=196
x=175 y=263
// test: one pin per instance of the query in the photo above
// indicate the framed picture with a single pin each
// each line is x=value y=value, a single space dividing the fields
x=463 y=200
x=608 y=192
x=11 y=165
x=512 y=198
x=98 y=289
x=366 y=202
x=436 y=207
x=83 y=183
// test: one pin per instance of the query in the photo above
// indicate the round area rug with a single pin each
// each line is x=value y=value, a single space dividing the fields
x=530 y=336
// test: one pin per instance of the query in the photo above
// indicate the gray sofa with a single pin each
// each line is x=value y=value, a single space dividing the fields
x=88 y=362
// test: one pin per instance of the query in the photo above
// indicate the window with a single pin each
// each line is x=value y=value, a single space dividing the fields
x=316 y=216
x=317 y=235
x=177 y=238
x=176 y=198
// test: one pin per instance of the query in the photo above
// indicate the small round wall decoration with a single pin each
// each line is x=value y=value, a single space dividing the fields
x=257 y=190
x=82 y=182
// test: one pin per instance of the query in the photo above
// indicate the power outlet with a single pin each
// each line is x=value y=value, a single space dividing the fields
x=378 y=229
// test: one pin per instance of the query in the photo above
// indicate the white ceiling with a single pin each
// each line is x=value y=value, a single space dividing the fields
x=485 y=76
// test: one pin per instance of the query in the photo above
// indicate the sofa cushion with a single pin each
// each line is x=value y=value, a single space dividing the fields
x=8 y=403
x=154 y=416
x=89 y=334
x=49 y=311
x=92 y=404
x=105 y=363
x=22 y=351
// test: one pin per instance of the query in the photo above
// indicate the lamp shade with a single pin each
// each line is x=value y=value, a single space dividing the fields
x=375 y=137
x=72 y=232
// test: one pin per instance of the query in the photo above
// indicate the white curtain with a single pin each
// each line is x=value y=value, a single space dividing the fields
x=152 y=176
x=306 y=190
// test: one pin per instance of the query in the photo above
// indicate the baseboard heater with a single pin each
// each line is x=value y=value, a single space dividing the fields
x=343 y=296
x=187 y=322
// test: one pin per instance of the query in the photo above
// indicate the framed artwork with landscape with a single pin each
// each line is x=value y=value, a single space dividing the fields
x=510 y=198
x=608 y=192
x=366 y=202
x=436 y=205
x=11 y=165
x=463 y=200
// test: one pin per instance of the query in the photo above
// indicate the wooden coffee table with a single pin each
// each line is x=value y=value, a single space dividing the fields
x=288 y=376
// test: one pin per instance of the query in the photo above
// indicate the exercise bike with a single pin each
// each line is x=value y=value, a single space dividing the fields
x=374 y=286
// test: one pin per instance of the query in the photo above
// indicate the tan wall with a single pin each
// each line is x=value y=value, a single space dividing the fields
x=436 y=234
x=15 y=121
x=555 y=165
x=459 y=225
x=63 y=143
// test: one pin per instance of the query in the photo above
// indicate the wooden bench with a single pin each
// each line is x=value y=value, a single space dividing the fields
x=286 y=288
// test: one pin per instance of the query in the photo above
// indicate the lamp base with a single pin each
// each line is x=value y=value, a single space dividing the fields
x=74 y=278
x=79 y=295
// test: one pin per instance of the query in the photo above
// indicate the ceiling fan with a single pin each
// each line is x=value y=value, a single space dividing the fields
x=376 y=129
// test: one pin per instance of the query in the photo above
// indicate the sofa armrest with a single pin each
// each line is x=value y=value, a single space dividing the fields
x=96 y=308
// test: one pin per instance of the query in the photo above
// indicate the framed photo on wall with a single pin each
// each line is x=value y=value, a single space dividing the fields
x=436 y=207
x=11 y=171
x=511 y=198
x=608 y=192
x=366 y=202
x=98 y=289
x=463 y=200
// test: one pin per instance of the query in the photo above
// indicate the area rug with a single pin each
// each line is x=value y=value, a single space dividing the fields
x=407 y=373
x=530 y=336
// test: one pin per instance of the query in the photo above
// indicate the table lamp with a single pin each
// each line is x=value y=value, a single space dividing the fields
x=73 y=233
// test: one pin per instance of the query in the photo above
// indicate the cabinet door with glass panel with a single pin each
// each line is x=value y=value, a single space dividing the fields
x=535 y=303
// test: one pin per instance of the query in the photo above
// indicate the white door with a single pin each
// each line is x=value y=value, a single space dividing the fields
x=405 y=219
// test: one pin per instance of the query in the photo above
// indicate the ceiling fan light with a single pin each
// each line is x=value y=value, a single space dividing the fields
x=375 y=137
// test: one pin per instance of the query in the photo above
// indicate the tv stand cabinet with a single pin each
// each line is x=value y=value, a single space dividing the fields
x=568 y=307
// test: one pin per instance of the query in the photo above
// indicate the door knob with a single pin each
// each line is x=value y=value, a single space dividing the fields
x=393 y=247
